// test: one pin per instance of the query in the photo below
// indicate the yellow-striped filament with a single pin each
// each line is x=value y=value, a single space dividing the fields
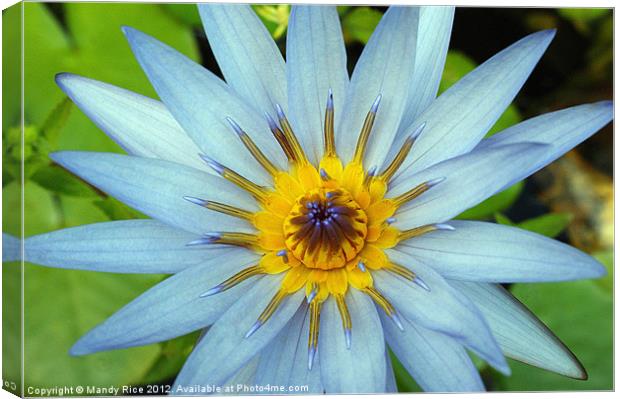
x=325 y=226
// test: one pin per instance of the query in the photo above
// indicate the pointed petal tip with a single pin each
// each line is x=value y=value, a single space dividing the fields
x=79 y=348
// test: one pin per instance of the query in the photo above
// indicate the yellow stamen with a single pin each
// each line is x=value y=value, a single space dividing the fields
x=272 y=306
x=362 y=140
x=415 y=232
x=380 y=300
x=346 y=318
x=291 y=139
x=239 y=239
x=234 y=280
x=400 y=271
x=328 y=130
x=313 y=334
x=258 y=154
x=398 y=160
x=229 y=210
x=415 y=192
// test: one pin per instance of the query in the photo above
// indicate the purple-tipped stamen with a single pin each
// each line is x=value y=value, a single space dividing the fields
x=443 y=226
x=280 y=112
x=375 y=105
x=196 y=201
x=417 y=131
x=311 y=354
x=312 y=295
x=215 y=290
x=235 y=126
x=330 y=99
x=213 y=164
x=361 y=266
x=324 y=175
x=283 y=254
x=420 y=283
x=347 y=337
x=272 y=124
x=396 y=319
x=434 y=182
x=390 y=220
x=254 y=328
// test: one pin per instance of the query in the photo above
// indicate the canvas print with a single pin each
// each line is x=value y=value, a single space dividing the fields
x=238 y=199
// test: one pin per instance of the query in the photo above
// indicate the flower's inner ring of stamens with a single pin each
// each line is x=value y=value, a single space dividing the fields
x=326 y=228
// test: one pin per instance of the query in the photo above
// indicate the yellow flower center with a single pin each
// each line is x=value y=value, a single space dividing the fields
x=326 y=226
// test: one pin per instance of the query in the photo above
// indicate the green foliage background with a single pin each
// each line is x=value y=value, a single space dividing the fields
x=61 y=305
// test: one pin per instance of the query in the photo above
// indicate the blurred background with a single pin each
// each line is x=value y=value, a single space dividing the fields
x=571 y=200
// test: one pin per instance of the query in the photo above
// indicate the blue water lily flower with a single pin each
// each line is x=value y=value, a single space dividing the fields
x=306 y=215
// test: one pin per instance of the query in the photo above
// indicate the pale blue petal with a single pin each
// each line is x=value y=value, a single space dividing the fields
x=140 y=125
x=284 y=362
x=463 y=114
x=436 y=361
x=247 y=55
x=480 y=251
x=361 y=369
x=469 y=180
x=520 y=334
x=390 y=378
x=224 y=349
x=127 y=246
x=11 y=248
x=434 y=31
x=243 y=378
x=200 y=102
x=562 y=130
x=385 y=67
x=173 y=307
x=316 y=61
x=441 y=308
x=157 y=188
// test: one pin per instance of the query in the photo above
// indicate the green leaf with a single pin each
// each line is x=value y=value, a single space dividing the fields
x=61 y=305
x=184 y=13
x=607 y=259
x=360 y=23
x=502 y=219
x=275 y=18
x=173 y=355
x=494 y=204
x=93 y=46
x=582 y=18
x=404 y=381
x=60 y=181
x=580 y=314
x=550 y=225
x=56 y=121
x=11 y=66
x=116 y=210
